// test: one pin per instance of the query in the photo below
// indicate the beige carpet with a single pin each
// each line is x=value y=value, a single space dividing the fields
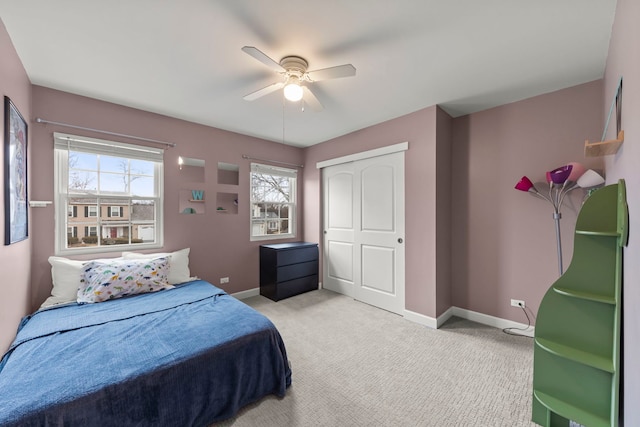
x=356 y=365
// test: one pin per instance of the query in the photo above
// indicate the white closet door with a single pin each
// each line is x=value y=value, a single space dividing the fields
x=364 y=230
x=339 y=233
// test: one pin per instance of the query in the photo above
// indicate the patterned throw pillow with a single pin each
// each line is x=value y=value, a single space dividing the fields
x=102 y=281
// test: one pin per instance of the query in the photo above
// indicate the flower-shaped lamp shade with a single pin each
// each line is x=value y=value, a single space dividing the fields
x=524 y=184
x=590 y=179
x=561 y=174
x=576 y=171
x=548 y=176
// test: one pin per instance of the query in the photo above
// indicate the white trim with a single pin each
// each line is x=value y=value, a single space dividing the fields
x=495 y=322
x=389 y=149
x=445 y=316
x=473 y=316
x=246 y=294
x=421 y=319
x=428 y=321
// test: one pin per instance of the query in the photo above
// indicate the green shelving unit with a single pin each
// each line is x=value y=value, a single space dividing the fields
x=576 y=358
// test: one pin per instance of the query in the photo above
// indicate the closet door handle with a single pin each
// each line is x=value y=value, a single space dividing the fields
x=399 y=239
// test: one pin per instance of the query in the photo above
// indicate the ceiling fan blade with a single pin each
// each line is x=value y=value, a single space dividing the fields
x=310 y=99
x=257 y=54
x=264 y=91
x=346 y=70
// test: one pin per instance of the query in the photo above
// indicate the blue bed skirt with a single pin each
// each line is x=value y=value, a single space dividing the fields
x=188 y=356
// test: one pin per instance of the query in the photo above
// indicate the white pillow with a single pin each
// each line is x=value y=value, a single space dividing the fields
x=178 y=262
x=66 y=275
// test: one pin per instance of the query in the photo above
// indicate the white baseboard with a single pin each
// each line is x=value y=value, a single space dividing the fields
x=435 y=323
x=254 y=292
x=421 y=319
x=246 y=294
x=496 y=322
x=473 y=316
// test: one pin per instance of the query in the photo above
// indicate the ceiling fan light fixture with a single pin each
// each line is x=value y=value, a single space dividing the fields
x=293 y=91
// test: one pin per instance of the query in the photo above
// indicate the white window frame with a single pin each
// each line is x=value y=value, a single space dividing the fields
x=292 y=174
x=92 y=211
x=63 y=144
x=115 y=209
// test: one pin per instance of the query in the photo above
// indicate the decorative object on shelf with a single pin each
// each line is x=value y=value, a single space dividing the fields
x=604 y=148
x=561 y=181
x=197 y=195
x=576 y=355
x=188 y=211
x=16 y=219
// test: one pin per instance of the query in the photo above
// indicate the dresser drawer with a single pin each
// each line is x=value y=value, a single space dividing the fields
x=295 y=256
x=295 y=287
x=295 y=271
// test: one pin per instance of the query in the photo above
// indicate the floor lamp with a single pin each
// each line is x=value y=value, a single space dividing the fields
x=561 y=181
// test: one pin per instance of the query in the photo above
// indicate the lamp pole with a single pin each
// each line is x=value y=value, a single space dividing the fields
x=556 y=197
x=556 y=217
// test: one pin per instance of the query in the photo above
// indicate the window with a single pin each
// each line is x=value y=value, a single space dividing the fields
x=111 y=192
x=114 y=210
x=273 y=202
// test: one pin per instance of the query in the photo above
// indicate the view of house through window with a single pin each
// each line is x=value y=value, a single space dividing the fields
x=273 y=203
x=111 y=192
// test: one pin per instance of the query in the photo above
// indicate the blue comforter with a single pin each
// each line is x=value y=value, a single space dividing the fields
x=188 y=356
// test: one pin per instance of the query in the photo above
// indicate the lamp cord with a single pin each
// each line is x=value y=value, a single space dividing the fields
x=510 y=331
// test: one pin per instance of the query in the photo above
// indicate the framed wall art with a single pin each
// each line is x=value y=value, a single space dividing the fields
x=16 y=222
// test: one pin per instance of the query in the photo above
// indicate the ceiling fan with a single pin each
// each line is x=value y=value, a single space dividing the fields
x=295 y=77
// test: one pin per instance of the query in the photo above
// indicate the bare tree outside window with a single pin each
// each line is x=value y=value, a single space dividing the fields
x=270 y=188
x=79 y=179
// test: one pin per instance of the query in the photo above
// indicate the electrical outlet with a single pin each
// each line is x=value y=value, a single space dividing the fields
x=517 y=303
x=224 y=280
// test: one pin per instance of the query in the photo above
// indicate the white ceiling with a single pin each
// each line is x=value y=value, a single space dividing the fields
x=183 y=58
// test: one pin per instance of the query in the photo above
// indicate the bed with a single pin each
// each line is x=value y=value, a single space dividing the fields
x=187 y=356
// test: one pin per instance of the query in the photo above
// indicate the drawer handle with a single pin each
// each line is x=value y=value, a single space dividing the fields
x=399 y=239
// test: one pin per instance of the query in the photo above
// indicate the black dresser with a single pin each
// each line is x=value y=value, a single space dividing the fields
x=288 y=269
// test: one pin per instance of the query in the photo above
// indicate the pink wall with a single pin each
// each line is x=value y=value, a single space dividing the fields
x=503 y=239
x=14 y=259
x=444 y=129
x=422 y=168
x=623 y=60
x=219 y=243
